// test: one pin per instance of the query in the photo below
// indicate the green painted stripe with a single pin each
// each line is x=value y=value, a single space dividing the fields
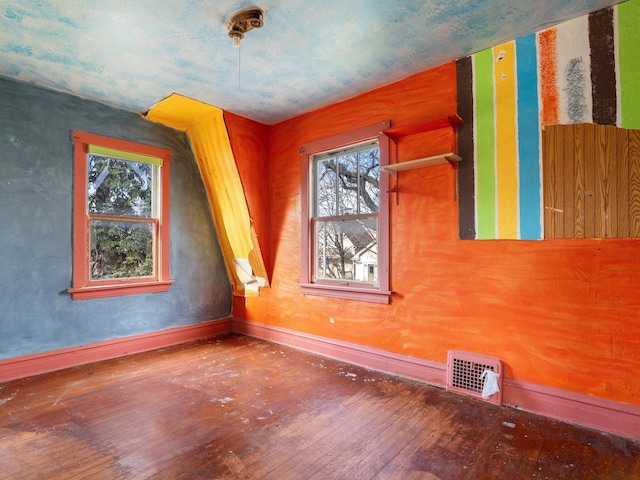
x=122 y=155
x=629 y=62
x=485 y=145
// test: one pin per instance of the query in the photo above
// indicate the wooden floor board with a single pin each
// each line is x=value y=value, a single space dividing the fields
x=367 y=459
x=234 y=407
x=360 y=434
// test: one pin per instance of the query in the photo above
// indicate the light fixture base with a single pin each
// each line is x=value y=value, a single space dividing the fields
x=244 y=21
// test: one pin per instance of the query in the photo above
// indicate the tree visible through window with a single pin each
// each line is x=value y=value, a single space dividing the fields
x=120 y=200
x=121 y=217
x=347 y=196
x=345 y=217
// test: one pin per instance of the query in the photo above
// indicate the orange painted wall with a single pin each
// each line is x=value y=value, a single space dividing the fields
x=250 y=145
x=561 y=313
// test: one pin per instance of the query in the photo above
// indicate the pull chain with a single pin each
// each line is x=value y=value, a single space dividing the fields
x=239 y=57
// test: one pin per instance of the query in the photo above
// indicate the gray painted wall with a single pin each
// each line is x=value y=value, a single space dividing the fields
x=36 y=190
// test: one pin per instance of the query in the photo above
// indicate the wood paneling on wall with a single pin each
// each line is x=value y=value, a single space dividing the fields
x=591 y=181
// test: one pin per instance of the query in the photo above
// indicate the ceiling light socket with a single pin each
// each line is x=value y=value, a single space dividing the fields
x=244 y=21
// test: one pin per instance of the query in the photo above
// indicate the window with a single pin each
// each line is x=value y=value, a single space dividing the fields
x=345 y=216
x=121 y=217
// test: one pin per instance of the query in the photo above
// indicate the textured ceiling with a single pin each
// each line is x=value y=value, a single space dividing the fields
x=310 y=53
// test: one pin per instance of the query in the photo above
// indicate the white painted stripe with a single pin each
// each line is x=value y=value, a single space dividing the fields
x=475 y=142
x=616 y=52
x=574 y=71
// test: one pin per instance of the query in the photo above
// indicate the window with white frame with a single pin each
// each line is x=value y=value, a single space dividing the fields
x=345 y=216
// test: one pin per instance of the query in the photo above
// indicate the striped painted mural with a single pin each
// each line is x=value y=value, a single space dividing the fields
x=583 y=71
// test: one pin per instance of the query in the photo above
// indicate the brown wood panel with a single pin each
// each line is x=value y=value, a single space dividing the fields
x=612 y=191
x=553 y=199
x=564 y=148
x=605 y=218
x=588 y=152
x=623 y=181
x=600 y=181
x=579 y=187
x=548 y=197
x=237 y=407
x=634 y=183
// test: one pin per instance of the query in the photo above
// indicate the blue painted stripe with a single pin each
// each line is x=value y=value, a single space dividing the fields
x=528 y=139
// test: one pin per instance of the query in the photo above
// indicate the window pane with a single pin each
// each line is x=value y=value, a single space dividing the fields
x=119 y=187
x=326 y=199
x=347 y=250
x=121 y=249
x=347 y=181
x=369 y=169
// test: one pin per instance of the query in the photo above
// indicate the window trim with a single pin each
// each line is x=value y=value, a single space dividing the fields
x=83 y=287
x=344 y=289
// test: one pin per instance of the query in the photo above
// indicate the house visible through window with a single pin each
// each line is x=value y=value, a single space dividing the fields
x=346 y=203
x=345 y=216
x=121 y=217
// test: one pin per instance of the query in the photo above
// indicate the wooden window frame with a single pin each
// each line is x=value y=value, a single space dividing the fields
x=342 y=288
x=83 y=287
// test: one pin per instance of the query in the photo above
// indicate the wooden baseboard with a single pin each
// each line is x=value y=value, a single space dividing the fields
x=367 y=357
x=26 y=366
x=585 y=410
x=592 y=412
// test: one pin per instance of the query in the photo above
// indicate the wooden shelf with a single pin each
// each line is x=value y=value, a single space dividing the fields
x=394 y=168
x=433 y=124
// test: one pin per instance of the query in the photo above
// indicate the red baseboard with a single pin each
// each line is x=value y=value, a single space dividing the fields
x=38 y=363
x=592 y=412
x=584 y=410
x=422 y=370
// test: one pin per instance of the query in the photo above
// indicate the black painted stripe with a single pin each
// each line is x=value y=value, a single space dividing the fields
x=466 y=172
x=603 y=67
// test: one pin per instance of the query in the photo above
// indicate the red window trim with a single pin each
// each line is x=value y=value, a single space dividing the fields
x=83 y=287
x=342 y=289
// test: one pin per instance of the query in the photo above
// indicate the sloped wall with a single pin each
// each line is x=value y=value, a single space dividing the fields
x=36 y=172
x=207 y=129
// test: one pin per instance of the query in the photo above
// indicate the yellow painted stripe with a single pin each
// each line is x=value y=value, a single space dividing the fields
x=205 y=126
x=504 y=57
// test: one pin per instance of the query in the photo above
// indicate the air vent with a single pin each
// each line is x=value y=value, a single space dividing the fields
x=465 y=374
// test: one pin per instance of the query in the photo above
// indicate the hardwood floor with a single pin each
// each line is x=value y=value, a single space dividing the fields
x=237 y=407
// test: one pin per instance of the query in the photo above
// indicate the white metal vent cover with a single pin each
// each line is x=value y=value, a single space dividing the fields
x=465 y=374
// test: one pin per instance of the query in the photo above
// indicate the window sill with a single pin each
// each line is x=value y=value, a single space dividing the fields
x=113 y=290
x=360 y=294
